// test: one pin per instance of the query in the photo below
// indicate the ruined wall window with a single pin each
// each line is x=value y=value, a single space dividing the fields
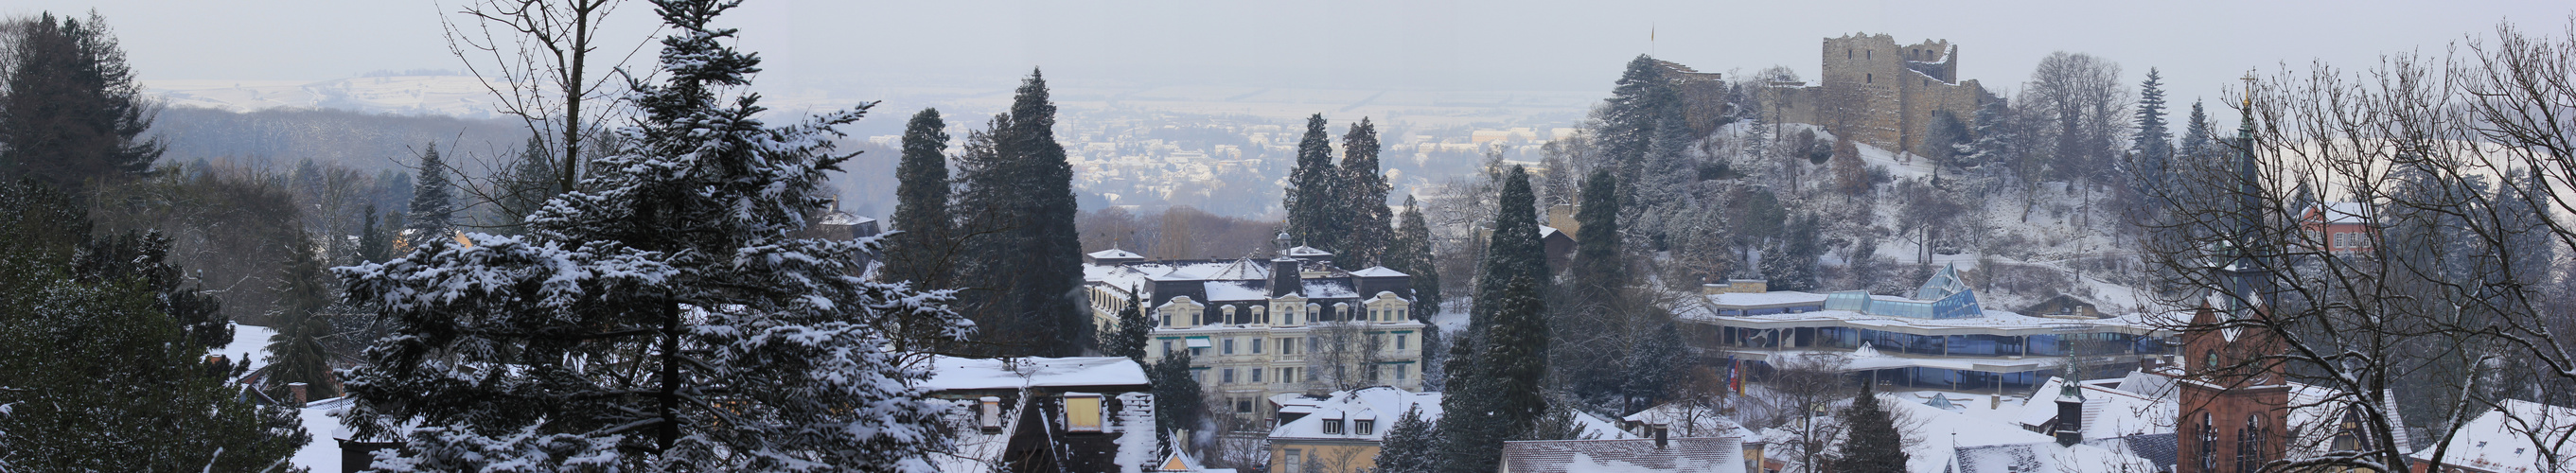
x=1869 y=78
x=1847 y=53
x=1870 y=54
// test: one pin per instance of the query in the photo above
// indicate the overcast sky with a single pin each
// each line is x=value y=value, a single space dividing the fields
x=1355 y=44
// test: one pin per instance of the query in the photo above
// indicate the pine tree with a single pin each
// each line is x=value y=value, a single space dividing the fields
x=1512 y=251
x=433 y=203
x=1790 y=265
x=295 y=352
x=1410 y=253
x=1873 y=444
x=119 y=385
x=373 y=244
x=145 y=258
x=1498 y=397
x=919 y=254
x=530 y=181
x=1600 y=268
x=1630 y=117
x=1653 y=366
x=2197 y=142
x=2152 y=144
x=1412 y=445
x=1314 y=216
x=659 y=316
x=70 y=111
x=1128 y=335
x=1363 y=189
x=1026 y=269
x=1176 y=394
x=1495 y=371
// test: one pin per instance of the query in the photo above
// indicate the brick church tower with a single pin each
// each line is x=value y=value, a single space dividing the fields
x=2235 y=401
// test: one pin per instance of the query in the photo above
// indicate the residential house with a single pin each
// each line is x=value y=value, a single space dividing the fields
x=2502 y=441
x=1045 y=415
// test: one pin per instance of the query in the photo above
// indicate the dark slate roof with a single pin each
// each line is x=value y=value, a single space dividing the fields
x=2159 y=448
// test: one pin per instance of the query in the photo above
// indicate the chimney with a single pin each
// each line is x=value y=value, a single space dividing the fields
x=297 y=392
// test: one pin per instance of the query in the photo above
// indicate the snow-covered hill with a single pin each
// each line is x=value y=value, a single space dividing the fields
x=460 y=96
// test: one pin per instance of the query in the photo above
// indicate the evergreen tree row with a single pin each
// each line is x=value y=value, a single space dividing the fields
x=1342 y=208
x=1496 y=367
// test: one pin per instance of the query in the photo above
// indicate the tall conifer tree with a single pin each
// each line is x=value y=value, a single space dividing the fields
x=1409 y=252
x=70 y=110
x=2153 y=144
x=1874 y=445
x=1026 y=262
x=1495 y=370
x=295 y=352
x=1311 y=198
x=1363 y=189
x=661 y=316
x=1599 y=267
x=920 y=253
x=433 y=202
x=1411 y=446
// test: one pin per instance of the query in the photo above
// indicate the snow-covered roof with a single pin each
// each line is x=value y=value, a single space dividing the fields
x=1974 y=442
x=2501 y=440
x=954 y=373
x=2340 y=212
x=1994 y=322
x=1218 y=291
x=1307 y=251
x=1546 y=231
x=1388 y=403
x=1329 y=289
x=1685 y=419
x=2040 y=456
x=1241 y=269
x=322 y=419
x=1377 y=272
x=1114 y=253
x=1745 y=300
x=844 y=218
x=2317 y=411
x=1684 y=455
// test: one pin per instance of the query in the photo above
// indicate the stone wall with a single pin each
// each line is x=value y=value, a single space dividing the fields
x=1879 y=92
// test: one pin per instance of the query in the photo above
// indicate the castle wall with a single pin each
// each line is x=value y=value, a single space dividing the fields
x=1879 y=92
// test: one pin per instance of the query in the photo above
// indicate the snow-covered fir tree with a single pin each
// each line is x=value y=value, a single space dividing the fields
x=433 y=201
x=659 y=316
x=1411 y=446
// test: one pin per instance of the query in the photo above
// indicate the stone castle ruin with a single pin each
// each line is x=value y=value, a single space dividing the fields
x=1878 y=92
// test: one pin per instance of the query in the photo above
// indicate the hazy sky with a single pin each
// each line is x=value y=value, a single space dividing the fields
x=852 y=47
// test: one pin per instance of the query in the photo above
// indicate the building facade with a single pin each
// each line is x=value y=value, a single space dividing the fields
x=1254 y=329
x=1940 y=337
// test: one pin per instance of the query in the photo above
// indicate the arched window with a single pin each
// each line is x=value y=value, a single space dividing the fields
x=1315 y=312
x=1229 y=315
x=1288 y=315
x=2249 y=444
x=1260 y=315
x=2209 y=360
x=1341 y=312
x=2208 y=444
